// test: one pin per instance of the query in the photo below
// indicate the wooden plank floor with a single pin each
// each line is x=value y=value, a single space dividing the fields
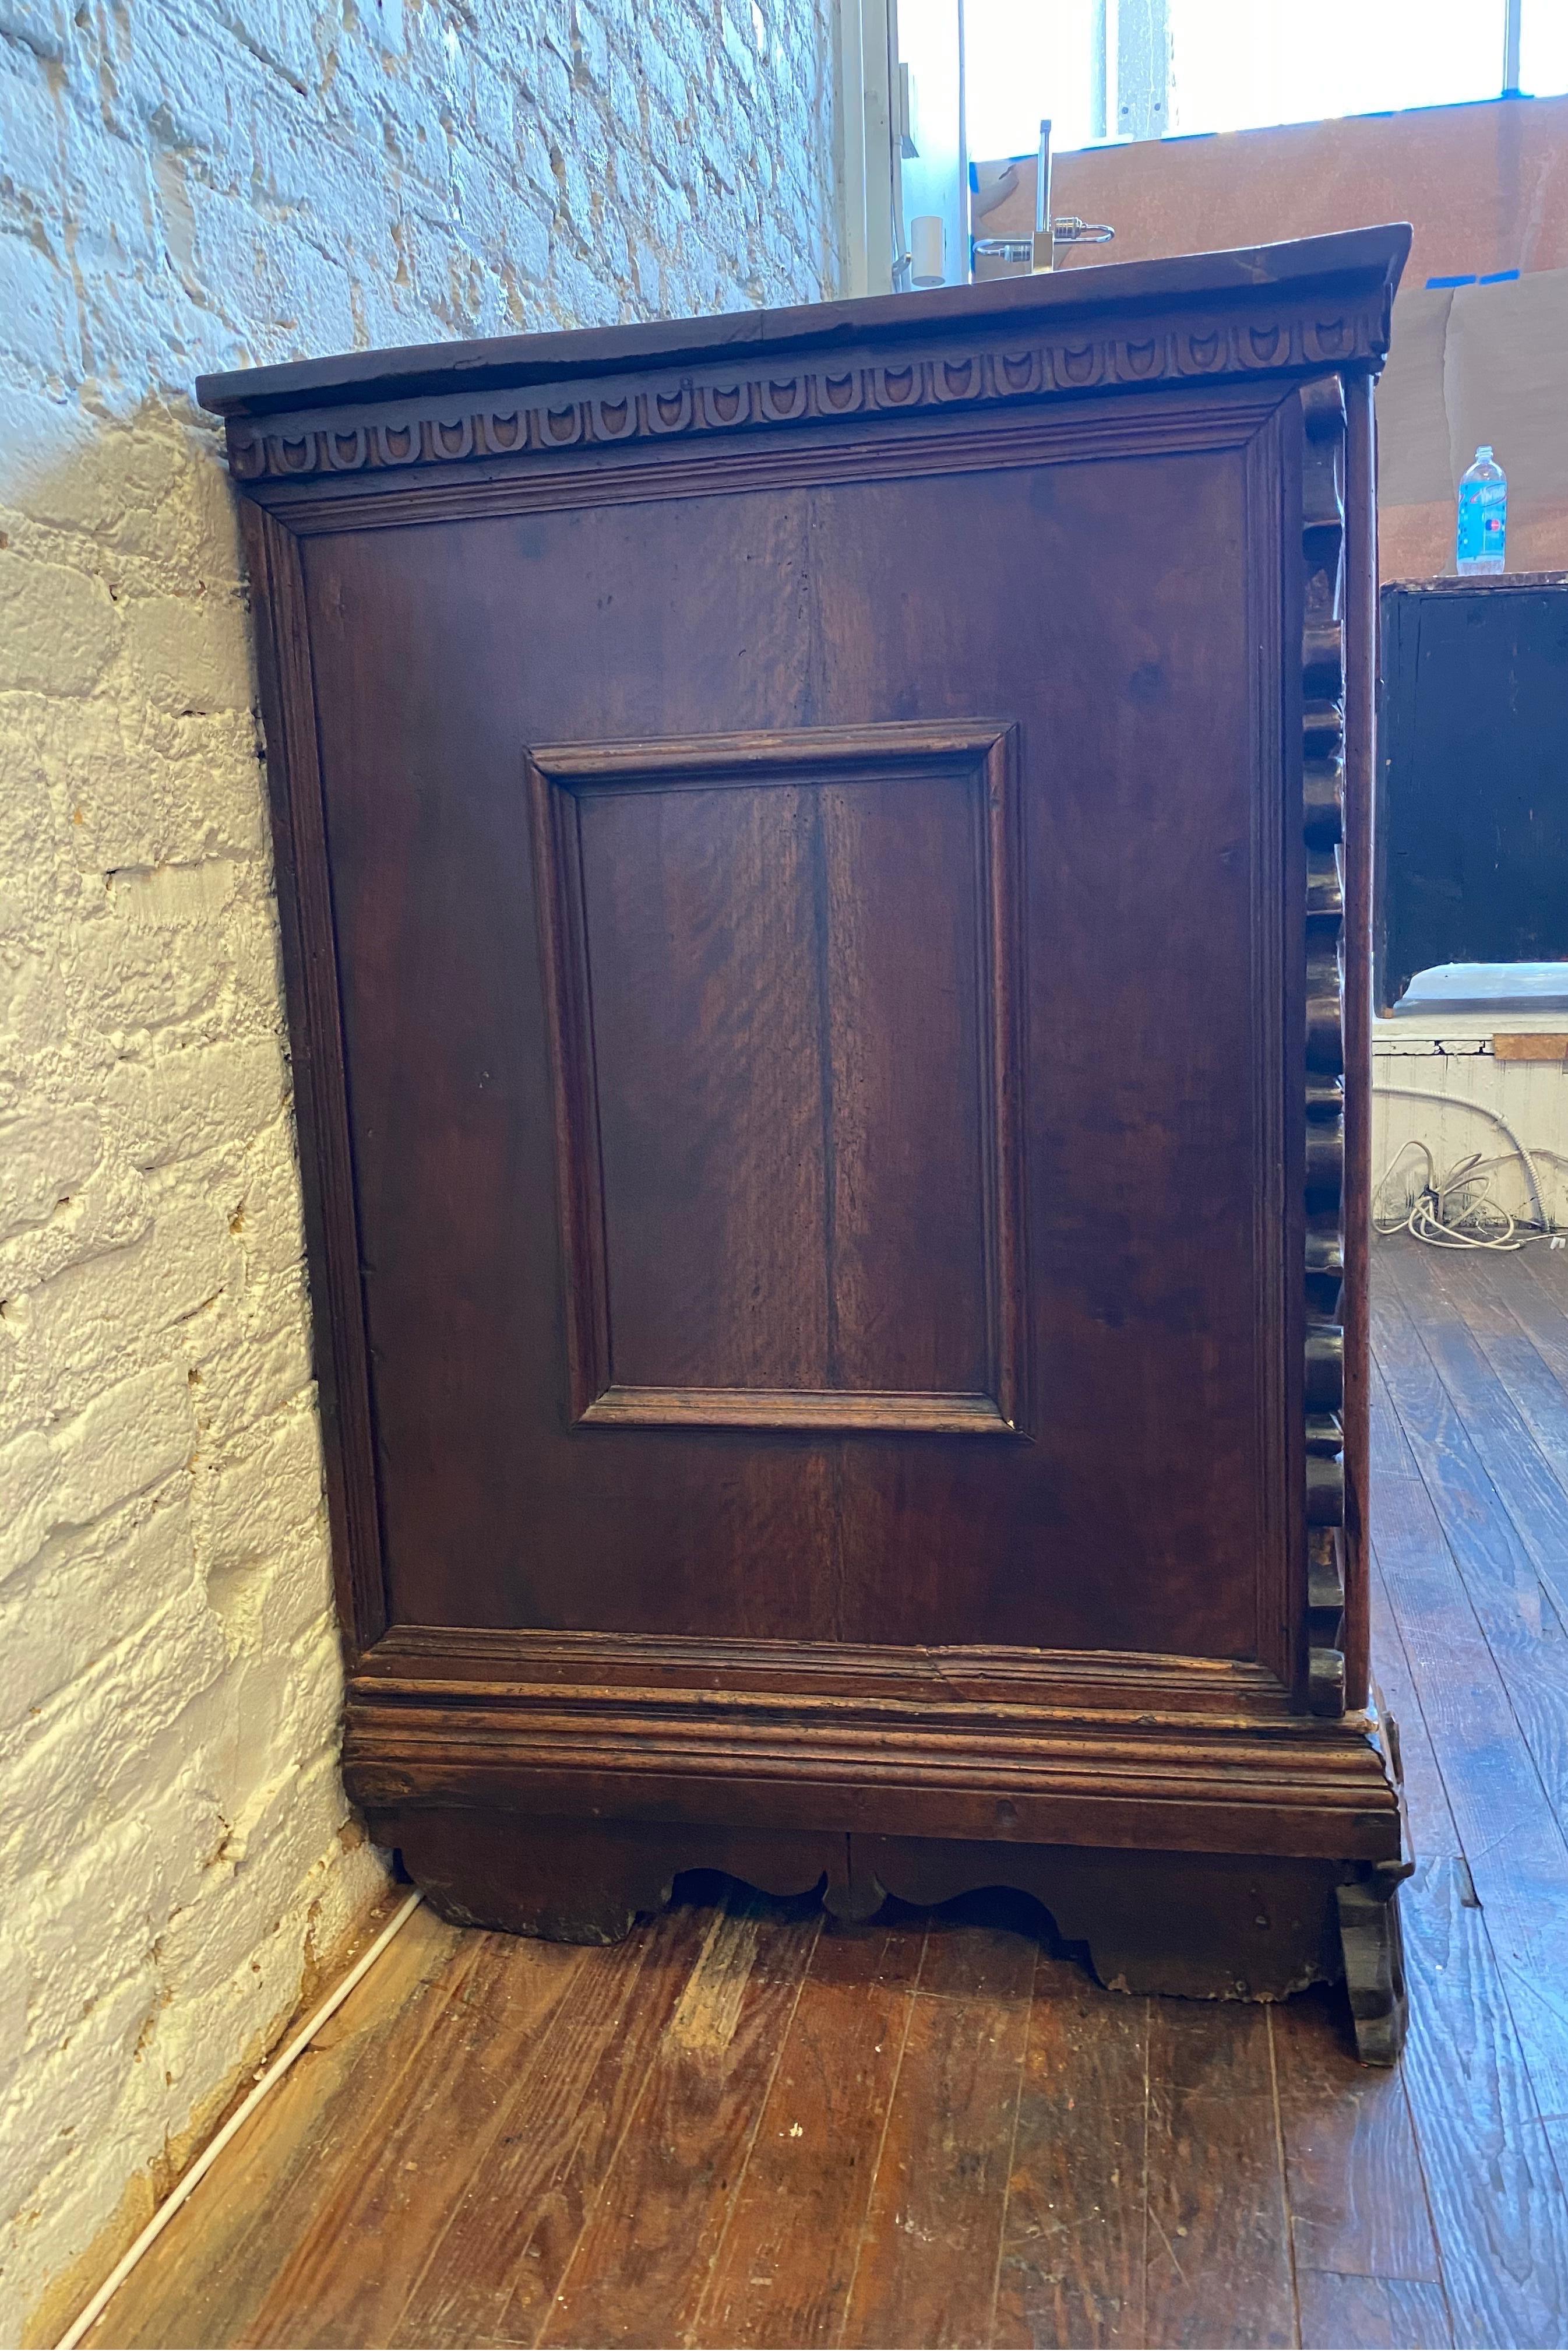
x=742 y=2127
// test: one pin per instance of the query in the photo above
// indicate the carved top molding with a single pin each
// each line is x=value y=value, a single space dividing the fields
x=535 y=424
x=1195 y=318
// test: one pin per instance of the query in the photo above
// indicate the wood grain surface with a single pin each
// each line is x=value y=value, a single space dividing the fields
x=798 y=1125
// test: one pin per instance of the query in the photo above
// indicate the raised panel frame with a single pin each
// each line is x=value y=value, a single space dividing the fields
x=823 y=756
x=1260 y=418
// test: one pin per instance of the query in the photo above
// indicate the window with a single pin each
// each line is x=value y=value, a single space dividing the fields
x=1150 y=69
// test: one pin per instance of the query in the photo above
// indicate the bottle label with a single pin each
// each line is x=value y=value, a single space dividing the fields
x=1482 y=526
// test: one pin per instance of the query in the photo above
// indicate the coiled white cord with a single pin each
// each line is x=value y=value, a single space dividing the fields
x=1461 y=1102
x=1455 y=1211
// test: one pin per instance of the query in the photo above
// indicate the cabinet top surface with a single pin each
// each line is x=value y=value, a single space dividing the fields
x=1355 y=259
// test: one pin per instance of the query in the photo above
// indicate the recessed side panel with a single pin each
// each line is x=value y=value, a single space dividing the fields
x=780 y=1014
x=1118 y=626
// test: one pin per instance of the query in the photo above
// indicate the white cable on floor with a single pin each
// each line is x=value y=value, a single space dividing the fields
x=1426 y=1216
x=1461 y=1102
x=242 y=2114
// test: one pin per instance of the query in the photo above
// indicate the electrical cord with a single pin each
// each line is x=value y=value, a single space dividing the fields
x=1461 y=1102
x=1455 y=1211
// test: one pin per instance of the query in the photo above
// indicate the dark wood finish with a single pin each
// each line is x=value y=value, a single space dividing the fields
x=1324 y=2202
x=572 y=1881
x=1204 y=1927
x=1354 y=2177
x=881 y=1291
x=1328 y=818
x=1075 y=2240
x=1373 y=1969
x=481 y=1525
x=1514 y=1326
x=1354 y=266
x=1462 y=1577
x=1431 y=1819
x=1224 y=2214
x=486 y=2035
x=1210 y=1928
x=499 y=2256
x=1360 y=676
x=1501 y=2222
x=1344 y=2314
x=1460 y=1326
x=310 y=964
x=814 y=914
x=824 y=1758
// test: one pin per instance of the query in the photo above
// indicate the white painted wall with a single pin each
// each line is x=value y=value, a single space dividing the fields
x=188 y=184
x=1451 y=1057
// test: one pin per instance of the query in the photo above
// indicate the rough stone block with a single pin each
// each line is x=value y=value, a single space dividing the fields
x=43 y=1160
x=38 y=331
x=247 y=1504
x=126 y=1441
x=80 y=2084
x=245 y=1364
x=188 y=652
x=29 y=132
x=82 y=1594
x=185 y=1258
x=58 y=628
x=177 y=1105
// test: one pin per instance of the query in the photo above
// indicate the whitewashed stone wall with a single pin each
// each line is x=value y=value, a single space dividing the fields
x=188 y=184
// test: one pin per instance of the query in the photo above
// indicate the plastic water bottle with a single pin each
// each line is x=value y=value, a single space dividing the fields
x=1483 y=515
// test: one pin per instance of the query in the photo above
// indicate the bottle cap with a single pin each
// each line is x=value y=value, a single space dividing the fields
x=1484 y=449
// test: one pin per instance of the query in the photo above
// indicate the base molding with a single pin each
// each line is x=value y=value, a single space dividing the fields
x=1032 y=1748
x=1196 y=1926
x=1173 y=1816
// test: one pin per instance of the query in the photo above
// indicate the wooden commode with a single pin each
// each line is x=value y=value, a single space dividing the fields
x=817 y=851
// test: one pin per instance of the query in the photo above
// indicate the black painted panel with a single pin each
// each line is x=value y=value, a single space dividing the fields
x=1473 y=801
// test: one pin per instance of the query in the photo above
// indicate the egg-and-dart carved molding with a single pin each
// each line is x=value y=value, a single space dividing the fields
x=539 y=420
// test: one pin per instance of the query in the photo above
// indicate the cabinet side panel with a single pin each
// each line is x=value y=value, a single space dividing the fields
x=289 y=715
x=1105 y=610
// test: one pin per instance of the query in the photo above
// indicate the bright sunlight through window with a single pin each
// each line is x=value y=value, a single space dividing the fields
x=1237 y=64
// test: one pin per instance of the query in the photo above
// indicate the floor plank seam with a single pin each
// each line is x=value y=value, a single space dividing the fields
x=1428 y=2200
x=1285 y=2172
x=1527 y=1339
x=593 y=2200
x=1457 y=1564
x=1013 y=2153
x=694 y=2331
x=881 y=2147
x=1467 y=1417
